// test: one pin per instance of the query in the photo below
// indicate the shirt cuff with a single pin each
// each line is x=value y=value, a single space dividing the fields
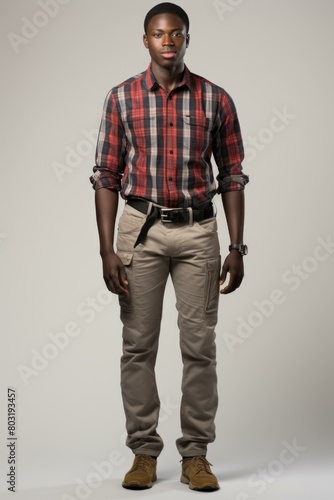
x=232 y=183
x=103 y=179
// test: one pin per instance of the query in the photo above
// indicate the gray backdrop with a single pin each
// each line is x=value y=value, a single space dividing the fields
x=61 y=335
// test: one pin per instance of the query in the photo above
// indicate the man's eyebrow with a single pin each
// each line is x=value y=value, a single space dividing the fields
x=174 y=29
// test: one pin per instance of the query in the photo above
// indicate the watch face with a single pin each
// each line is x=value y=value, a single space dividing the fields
x=245 y=249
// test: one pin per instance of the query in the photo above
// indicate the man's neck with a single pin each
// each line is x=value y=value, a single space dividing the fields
x=168 y=78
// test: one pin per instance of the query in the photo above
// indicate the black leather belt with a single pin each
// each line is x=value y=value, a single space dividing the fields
x=168 y=215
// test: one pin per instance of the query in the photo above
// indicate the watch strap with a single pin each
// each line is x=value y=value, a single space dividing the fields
x=243 y=249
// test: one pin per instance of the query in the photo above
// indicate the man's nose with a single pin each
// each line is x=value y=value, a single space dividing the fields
x=167 y=40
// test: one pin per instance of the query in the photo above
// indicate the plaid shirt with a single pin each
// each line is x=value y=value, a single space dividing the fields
x=158 y=146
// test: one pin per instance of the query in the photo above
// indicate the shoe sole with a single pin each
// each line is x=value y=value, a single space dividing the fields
x=135 y=485
x=204 y=487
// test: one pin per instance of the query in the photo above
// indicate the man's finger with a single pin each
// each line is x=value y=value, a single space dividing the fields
x=234 y=283
x=115 y=285
x=123 y=277
x=223 y=276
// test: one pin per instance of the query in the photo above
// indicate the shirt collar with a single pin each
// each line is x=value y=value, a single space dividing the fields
x=152 y=84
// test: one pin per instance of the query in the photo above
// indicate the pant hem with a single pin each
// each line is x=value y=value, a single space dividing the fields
x=152 y=453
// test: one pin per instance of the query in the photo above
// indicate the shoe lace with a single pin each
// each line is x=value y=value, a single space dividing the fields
x=201 y=464
x=142 y=462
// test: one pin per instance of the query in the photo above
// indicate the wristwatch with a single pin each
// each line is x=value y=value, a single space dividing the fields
x=243 y=249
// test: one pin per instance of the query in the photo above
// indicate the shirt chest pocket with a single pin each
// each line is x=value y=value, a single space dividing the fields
x=194 y=131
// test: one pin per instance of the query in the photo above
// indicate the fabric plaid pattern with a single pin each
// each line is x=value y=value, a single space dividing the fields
x=159 y=146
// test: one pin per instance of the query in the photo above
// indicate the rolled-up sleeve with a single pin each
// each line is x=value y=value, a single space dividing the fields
x=110 y=150
x=228 y=149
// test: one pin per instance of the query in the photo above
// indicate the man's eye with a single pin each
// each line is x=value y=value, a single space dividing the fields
x=157 y=35
x=177 y=35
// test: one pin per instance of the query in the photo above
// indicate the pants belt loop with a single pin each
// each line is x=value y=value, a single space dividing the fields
x=149 y=208
x=191 y=216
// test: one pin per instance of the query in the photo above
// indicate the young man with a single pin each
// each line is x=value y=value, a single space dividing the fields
x=158 y=132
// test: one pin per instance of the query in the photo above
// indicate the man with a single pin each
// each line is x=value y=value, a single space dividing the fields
x=157 y=135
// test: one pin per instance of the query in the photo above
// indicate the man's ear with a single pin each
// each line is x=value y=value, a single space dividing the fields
x=145 y=40
x=187 y=40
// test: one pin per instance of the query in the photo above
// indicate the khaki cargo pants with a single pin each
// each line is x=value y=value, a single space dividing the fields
x=190 y=255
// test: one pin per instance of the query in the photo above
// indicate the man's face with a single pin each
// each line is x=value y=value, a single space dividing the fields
x=167 y=40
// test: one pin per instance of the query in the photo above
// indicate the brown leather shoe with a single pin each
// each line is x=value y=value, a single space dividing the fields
x=142 y=473
x=197 y=473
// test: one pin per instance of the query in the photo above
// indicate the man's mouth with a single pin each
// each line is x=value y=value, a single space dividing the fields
x=168 y=54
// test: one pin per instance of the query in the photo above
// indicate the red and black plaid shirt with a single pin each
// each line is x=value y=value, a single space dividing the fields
x=158 y=146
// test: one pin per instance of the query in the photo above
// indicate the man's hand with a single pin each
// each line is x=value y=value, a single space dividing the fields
x=114 y=274
x=234 y=265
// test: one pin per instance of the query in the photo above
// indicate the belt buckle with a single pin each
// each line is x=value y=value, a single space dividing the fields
x=169 y=215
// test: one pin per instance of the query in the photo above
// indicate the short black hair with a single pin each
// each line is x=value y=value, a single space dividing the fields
x=166 y=8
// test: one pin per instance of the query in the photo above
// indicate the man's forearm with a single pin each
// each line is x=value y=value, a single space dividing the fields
x=106 y=203
x=234 y=207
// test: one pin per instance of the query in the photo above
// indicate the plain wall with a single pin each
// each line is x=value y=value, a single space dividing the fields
x=275 y=334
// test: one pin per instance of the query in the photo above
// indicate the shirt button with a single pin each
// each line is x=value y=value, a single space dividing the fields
x=170 y=178
x=171 y=151
x=171 y=124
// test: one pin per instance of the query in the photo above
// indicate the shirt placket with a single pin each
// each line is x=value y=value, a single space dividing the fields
x=171 y=149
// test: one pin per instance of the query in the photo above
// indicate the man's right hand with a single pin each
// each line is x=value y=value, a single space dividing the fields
x=114 y=274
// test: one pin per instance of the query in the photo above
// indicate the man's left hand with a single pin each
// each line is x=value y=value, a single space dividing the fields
x=234 y=265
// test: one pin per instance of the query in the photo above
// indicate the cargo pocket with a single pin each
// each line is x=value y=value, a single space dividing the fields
x=125 y=300
x=212 y=285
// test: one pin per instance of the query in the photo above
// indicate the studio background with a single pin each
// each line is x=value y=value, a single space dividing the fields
x=275 y=334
